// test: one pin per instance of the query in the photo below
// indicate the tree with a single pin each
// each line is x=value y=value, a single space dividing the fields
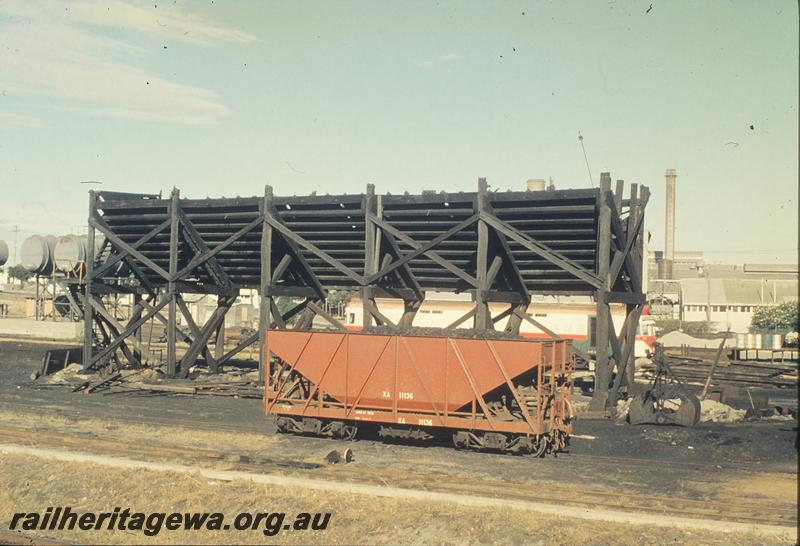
x=20 y=273
x=340 y=296
x=284 y=304
x=780 y=318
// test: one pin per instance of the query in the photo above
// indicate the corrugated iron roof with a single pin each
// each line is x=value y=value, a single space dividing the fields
x=737 y=291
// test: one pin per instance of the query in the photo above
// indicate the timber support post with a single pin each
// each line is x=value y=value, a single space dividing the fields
x=602 y=367
x=136 y=314
x=629 y=367
x=370 y=256
x=219 y=345
x=172 y=315
x=88 y=312
x=265 y=291
x=483 y=319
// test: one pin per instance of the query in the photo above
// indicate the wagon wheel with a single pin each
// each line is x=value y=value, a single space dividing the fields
x=347 y=431
x=538 y=448
x=287 y=425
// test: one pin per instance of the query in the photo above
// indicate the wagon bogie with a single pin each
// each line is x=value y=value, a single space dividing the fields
x=505 y=443
x=311 y=426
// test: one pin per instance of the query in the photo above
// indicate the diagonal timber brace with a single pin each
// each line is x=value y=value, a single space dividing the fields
x=98 y=223
x=399 y=235
x=198 y=245
x=422 y=249
x=541 y=250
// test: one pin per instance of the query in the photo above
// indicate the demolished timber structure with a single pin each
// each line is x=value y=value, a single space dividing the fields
x=499 y=246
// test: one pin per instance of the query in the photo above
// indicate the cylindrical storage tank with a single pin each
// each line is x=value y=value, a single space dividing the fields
x=751 y=342
x=70 y=253
x=741 y=341
x=766 y=341
x=3 y=252
x=36 y=254
x=758 y=342
x=777 y=341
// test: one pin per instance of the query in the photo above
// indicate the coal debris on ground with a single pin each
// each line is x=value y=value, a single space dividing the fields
x=460 y=333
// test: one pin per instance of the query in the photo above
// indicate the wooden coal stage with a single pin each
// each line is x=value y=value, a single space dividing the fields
x=494 y=390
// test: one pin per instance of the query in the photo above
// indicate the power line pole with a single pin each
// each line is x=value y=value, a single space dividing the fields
x=16 y=233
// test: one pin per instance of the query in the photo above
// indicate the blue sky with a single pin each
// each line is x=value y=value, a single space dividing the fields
x=221 y=98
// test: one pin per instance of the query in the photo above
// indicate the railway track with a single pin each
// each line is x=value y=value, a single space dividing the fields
x=570 y=496
x=106 y=411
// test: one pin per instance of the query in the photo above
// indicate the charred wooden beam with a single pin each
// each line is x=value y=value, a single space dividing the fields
x=241 y=346
x=324 y=314
x=172 y=360
x=541 y=250
x=422 y=249
x=198 y=245
x=287 y=233
x=373 y=310
x=97 y=222
x=483 y=319
x=198 y=260
x=527 y=318
x=602 y=368
x=369 y=208
x=121 y=254
x=462 y=319
x=88 y=314
x=265 y=294
x=625 y=358
x=113 y=344
x=117 y=328
x=435 y=257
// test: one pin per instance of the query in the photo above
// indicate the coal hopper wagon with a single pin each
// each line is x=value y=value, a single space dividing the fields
x=509 y=395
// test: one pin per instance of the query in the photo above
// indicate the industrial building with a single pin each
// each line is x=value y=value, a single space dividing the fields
x=729 y=302
x=693 y=265
x=721 y=294
x=681 y=285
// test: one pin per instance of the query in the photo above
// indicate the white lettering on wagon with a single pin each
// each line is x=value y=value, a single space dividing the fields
x=405 y=395
x=426 y=422
x=364 y=412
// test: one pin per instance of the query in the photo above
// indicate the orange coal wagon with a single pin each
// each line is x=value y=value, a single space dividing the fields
x=502 y=394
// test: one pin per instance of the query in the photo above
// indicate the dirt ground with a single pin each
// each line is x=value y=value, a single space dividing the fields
x=754 y=461
x=32 y=484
